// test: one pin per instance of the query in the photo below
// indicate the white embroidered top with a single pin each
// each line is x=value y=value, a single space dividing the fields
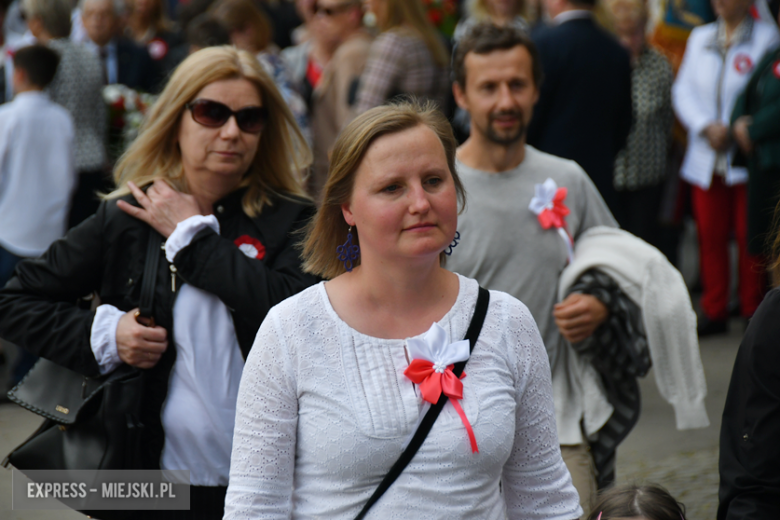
x=323 y=412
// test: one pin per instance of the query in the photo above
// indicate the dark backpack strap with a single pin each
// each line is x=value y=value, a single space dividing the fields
x=146 y=306
x=426 y=424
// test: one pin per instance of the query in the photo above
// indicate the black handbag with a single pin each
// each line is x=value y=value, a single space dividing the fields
x=472 y=334
x=91 y=423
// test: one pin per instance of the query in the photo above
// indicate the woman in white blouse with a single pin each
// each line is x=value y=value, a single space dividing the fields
x=324 y=407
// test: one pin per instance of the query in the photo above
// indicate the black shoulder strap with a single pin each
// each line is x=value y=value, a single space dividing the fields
x=433 y=413
x=146 y=306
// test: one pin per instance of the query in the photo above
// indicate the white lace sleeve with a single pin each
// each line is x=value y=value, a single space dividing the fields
x=536 y=482
x=263 y=458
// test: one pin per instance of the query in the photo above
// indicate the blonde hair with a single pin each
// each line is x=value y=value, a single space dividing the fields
x=328 y=229
x=411 y=13
x=235 y=15
x=634 y=11
x=54 y=15
x=281 y=153
x=479 y=10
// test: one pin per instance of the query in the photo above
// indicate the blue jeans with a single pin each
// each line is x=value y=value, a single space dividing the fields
x=25 y=360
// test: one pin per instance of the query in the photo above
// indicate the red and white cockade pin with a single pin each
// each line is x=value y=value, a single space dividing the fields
x=251 y=247
x=742 y=63
x=431 y=368
x=549 y=208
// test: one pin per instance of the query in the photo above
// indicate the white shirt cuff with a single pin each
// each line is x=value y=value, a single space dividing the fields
x=185 y=231
x=103 y=338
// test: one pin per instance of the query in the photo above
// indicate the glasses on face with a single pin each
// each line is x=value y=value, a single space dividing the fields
x=214 y=114
x=334 y=10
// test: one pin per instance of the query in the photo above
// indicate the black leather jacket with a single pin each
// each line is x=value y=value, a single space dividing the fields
x=106 y=255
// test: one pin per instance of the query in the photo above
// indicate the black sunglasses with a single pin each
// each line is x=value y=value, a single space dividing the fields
x=214 y=114
x=336 y=9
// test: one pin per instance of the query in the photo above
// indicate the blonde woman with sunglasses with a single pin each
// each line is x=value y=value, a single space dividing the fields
x=214 y=173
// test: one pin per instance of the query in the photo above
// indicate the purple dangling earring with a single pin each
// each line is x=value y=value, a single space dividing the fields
x=348 y=252
x=452 y=246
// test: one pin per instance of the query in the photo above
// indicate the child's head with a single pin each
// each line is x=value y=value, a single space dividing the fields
x=34 y=67
x=637 y=502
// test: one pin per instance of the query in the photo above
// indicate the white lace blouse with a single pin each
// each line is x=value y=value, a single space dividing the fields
x=324 y=411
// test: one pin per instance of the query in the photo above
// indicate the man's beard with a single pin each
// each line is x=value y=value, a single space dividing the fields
x=506 y=139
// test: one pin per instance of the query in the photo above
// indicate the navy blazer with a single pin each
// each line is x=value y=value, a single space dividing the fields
x=584 y=110
x=135 y=68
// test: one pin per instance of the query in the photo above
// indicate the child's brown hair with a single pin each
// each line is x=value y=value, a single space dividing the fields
x=651 y=502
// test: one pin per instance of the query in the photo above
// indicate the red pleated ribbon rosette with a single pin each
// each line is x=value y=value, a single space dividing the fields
x=251 y=247
x=549 y=208
x=431 y=369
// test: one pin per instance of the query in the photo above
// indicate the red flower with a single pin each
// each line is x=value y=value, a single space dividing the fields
x=435 y=17
x=251 y=247
x=554 y=217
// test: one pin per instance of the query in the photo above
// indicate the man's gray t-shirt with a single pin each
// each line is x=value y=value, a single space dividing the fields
x=502 y=244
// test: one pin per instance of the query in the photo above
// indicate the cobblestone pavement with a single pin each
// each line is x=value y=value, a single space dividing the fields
x=692 y=477
x=684 y=462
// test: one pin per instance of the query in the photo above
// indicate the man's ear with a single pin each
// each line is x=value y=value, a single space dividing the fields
x=19 y=79
x=460 y=96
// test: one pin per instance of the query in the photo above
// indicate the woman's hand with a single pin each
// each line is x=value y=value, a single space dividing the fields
x=741 y=135
x=138 y=345
x=717 y=135
x=579 y=315
x=162 y=207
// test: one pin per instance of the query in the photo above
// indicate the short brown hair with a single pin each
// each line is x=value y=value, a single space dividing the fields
x=485 y=38
x=328 y=229
x=235 y=15
x=39 y=62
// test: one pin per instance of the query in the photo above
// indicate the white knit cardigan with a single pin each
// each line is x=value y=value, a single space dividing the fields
x=645 y=275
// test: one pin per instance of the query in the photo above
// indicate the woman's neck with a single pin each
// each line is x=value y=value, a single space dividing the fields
x=208 y=189
x=139 y=25
x=501 y=20
x=731 y=26
x=388 y=299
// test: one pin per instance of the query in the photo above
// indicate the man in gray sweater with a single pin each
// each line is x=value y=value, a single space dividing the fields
x=525 y=208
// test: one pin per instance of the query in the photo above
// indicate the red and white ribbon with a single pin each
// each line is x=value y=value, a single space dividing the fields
x=549 y=208
x=431 y=369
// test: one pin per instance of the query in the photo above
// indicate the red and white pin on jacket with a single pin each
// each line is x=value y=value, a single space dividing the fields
x=433 y=358
x=251 y=247
x=743 y=64
x=549 y=208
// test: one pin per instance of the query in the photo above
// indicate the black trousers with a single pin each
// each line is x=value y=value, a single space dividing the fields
x=637 y=212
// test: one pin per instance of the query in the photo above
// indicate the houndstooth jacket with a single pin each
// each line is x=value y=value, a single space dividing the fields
x=77 y=86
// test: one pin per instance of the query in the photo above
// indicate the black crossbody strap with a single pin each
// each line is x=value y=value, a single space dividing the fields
x=433 y=413
x=146 y=307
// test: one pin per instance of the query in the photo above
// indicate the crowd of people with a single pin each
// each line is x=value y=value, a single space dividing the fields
x=353 y=200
